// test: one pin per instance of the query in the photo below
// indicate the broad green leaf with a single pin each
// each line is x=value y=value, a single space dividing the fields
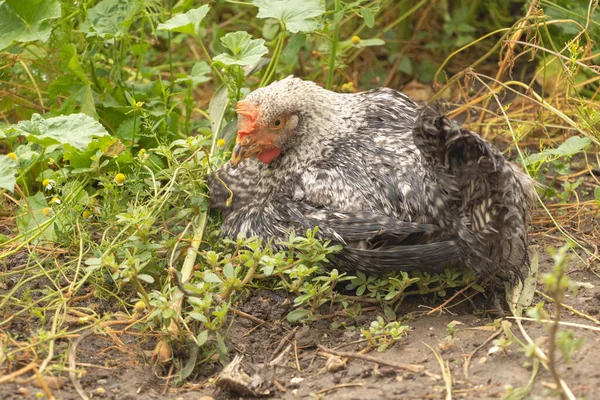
x=188 y=22
x=34 y=212
x=110 y=18
x=8 y=168
x=244 y=50
x=199 y=74
x=83 y=159
x=296 y=15
x=76 y=130
x=572 y=145
x=368 y=17
x=26 y=21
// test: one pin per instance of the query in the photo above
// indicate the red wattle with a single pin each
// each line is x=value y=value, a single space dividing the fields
x=266 y=156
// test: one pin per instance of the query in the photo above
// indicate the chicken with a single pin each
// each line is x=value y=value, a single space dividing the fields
x=401 y=187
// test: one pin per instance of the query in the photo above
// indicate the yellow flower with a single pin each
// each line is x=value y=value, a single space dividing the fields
x=46 y=211
x=48 y=184
x=221 y=142
x=348 y=87
x=120 y=179
x=355 y=40
x=55 y=200
x=12 y=155
x=86 y=214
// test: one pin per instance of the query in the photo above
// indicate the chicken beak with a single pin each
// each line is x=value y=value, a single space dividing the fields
x=238 y=154
x=243 y=149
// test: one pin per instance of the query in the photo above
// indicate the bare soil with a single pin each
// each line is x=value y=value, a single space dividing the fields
x=119 y=366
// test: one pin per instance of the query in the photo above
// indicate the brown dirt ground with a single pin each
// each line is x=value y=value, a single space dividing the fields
x=121 y=365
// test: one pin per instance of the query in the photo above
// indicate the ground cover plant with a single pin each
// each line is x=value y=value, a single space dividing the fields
x=113 y=113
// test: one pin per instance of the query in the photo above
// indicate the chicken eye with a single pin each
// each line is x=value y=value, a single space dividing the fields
x=277 y=123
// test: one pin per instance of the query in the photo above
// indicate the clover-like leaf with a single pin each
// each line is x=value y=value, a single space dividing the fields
x=26 y=21
x=244 y=49
x=76 y=130
x=296 y=15
x=188 y=22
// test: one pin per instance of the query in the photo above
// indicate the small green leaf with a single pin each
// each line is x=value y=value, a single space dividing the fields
x=389 y=312
x=209 y=277
x=228 y=271
x=188 y=22
x=8 y=169
x=202 y=338
x=76 y=130
x=146 y=278
x=405 y=65
x=368 y=17
x=295 y=15
x=370 y=43
x=297 y=315
x=244 y=50
x=337 y=17
x=198 y=316
x=596 y=193
x=26 y=21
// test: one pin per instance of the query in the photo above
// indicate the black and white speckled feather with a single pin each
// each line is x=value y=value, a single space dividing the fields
x=402 y=188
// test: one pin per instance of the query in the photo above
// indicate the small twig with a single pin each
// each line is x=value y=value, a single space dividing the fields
x=10 y=377
x=296 y=356
x=252 y=318
x=573 y=310
x=471 y=354
x=562 y=323
x=282 y=343
x=445 y=303
x=340 y=386
x=407 y=367
x=72 y=364
x=445 y=368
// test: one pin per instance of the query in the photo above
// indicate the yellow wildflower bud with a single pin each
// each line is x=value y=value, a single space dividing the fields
x=355 y=40
x=139 y=306
x=221 y=142
x=86 y=214
x=120 y=179
x=46 y=211
x=55 y=200
x=12 y=155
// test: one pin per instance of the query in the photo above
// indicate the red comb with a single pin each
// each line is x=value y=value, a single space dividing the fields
x=247 y=109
